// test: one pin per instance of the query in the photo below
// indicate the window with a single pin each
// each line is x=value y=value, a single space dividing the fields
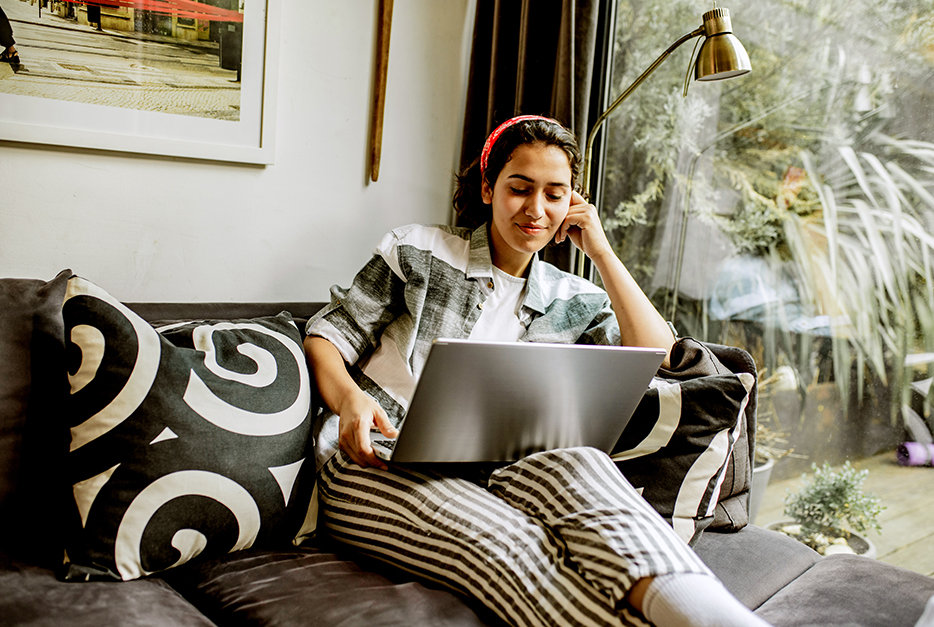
x=788 y=211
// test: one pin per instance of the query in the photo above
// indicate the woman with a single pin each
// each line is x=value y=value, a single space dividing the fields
x=9 y=54
x=559 y=537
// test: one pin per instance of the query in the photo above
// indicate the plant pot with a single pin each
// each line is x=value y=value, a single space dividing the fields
x=859 y=545
x=760 y=481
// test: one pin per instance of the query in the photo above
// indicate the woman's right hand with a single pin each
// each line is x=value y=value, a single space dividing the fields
x=359 y=413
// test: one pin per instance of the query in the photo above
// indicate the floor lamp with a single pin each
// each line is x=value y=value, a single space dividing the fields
x=721 y=56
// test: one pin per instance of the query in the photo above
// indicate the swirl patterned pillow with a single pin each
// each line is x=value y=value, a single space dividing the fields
x=185 y=442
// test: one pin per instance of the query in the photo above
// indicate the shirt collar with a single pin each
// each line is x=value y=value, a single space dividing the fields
x=533 y=293
x=480 y=266
x=480 y=262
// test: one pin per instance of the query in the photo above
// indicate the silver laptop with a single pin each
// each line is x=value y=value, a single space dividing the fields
x=500 y=401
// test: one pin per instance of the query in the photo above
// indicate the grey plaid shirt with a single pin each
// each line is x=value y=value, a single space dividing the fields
x=430 y=282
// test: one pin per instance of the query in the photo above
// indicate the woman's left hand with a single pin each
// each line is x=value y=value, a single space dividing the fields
x=582 y=225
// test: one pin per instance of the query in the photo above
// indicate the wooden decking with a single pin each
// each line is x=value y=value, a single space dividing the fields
x=907 y=537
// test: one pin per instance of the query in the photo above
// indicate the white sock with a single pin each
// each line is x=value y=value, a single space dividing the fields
x=679 y=600
x=927 y=618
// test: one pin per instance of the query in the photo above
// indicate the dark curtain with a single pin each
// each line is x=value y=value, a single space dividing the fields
x=531 y=57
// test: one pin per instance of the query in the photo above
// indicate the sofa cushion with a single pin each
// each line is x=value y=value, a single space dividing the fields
x=754 y=563
x=311 y=586
x=678 y=443
x=850 y=591
x=30 y=595
x=185 y=442
x=32 y=387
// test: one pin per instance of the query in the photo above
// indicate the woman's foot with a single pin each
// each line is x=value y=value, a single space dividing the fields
x=9 y=56
x=694 y=599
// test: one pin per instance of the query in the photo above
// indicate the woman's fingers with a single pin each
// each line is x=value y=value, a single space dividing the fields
x=582 y=225
x=384 y=424
x=580 y=214
x=355 y=426
x=570 y=220
x=350 y=439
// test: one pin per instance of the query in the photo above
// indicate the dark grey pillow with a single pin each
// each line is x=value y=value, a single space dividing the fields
x=189 y=442
x=32 y=388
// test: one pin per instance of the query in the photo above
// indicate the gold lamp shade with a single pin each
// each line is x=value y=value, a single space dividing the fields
x=721 y=55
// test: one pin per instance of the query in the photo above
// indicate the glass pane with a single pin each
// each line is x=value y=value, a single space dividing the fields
x=789 y=211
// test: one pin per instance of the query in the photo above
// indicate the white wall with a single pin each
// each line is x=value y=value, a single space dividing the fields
x=155 y=229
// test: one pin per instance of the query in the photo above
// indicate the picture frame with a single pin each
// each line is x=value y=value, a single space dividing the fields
x=250 y=139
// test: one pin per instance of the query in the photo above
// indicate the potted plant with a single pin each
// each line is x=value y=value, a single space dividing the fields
x=829 y=511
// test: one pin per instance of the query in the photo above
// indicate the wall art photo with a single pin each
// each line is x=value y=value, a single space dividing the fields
x=189 y=78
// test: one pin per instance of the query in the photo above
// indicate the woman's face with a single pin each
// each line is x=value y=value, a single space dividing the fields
x=530 y=200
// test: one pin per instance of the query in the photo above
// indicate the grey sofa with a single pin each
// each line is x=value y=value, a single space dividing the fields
x=321 y=583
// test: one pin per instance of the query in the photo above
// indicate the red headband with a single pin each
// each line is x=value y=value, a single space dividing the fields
x=485 y=155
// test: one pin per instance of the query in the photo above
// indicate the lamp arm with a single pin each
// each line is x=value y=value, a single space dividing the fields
x=588 y=153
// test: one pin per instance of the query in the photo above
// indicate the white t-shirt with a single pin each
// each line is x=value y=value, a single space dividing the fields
x=500 y=317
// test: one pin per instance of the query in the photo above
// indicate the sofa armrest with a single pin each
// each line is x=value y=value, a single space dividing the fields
x=152 y=312
x=755 y=563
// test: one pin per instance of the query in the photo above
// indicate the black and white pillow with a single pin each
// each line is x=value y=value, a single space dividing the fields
x=188 y=442
x=678 y=443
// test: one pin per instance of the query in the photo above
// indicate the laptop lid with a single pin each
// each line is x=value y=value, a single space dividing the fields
x=481 y=401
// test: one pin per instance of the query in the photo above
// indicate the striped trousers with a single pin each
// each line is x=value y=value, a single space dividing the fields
x=557 y=538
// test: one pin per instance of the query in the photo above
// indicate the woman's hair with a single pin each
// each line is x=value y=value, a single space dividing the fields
x=468 y=201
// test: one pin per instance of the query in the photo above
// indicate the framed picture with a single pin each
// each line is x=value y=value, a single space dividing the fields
x=184 y=78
